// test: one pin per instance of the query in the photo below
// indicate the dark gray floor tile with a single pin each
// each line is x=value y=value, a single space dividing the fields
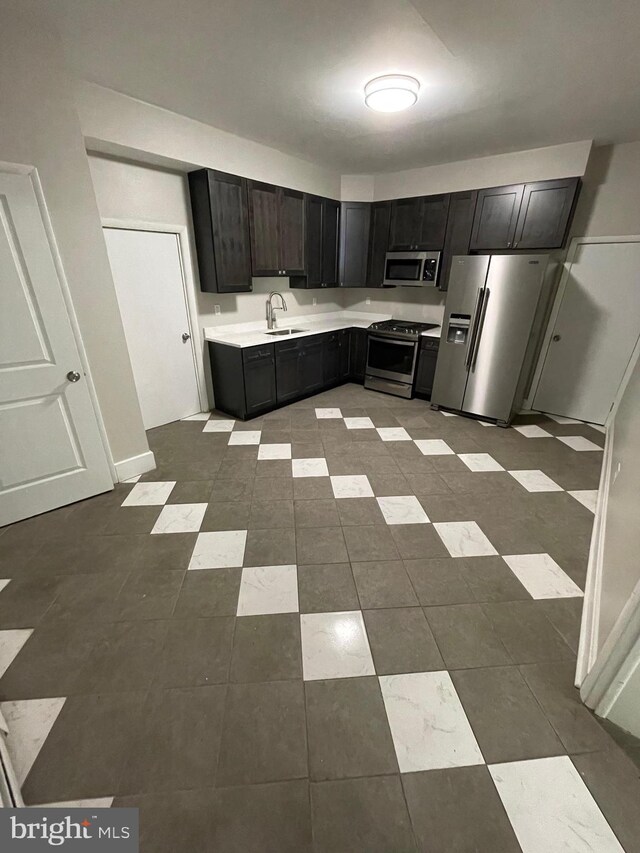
x=237 y=469
x=196 y=652
x=511 y=536
x=320 y=545
x=209 y=592
x=565 y=615
x=174 y=821
x=401 y=641
x=131 y=519
x=370 y=542
x=273 y=489
x=86 y=750
x=271 y=514
x=320 y=513
x=343 y=464
x=90 y=555
x=266 y=648
x=359 y=512
x=438 y=581
x=164 y=552
x=458 y=811
x=479 y=482
x=465 y=637
x=272 y=468
x=491 y=579
x=383 y=583
x=326 y=587
x=552 y=685
x=147 y=595
x=270 y=547
x=361 y=815
x=614 y=782
x=191 y=492
x=504 y=715
x=178 y=745
x=526 y=632
x=264 y=735
x=24 y=601
x=388 y=483
x=231 y=490
x=348 y=730
x=18 y=558
x=312 y=488
x=379 y=464
x=226 y=516
x=272 y=818
x=425 y=484
x=417 y=541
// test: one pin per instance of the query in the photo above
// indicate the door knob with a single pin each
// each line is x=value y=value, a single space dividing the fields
x=556 y=338
x=73 y=376
x=185 y=337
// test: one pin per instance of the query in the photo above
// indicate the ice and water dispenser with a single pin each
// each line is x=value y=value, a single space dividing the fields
x=458 y=328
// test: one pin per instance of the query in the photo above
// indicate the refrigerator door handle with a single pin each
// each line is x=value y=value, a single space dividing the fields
x=483 y=314
x=474 y=331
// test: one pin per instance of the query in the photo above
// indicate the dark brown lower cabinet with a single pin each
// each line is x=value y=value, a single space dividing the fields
x=427 y=358
x=331 y=358
x=358 y=354
x=244 y=380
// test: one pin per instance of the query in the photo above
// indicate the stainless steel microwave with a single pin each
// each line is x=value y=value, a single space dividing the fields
x=412 y=269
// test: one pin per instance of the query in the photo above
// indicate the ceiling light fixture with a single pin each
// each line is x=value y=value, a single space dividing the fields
x=391 y=93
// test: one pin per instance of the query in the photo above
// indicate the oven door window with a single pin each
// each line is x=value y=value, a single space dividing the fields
x=391 y=356
x=403 y=269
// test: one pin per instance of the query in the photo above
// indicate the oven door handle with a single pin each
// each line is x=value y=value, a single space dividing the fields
x=392 y=340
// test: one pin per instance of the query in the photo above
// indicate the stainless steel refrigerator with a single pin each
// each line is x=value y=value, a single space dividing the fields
x=495 y=314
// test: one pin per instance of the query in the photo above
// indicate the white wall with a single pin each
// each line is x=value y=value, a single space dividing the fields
x=39 y=127
x=425 y=305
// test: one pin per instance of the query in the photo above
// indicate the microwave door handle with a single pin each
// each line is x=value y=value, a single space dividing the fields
x=485 y=302
x=474 y=330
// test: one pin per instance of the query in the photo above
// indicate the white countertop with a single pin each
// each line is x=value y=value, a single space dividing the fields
x=254 y=333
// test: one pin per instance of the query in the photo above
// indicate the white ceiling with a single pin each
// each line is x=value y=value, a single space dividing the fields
x=497 y=75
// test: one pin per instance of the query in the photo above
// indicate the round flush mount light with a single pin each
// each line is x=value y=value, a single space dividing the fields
x=391 y=93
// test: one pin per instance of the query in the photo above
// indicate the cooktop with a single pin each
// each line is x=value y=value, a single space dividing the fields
x=401 y=328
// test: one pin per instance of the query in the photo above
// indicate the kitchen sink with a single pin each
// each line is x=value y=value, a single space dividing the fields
x=285 y=332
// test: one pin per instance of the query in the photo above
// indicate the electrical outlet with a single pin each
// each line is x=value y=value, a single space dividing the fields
x=314 y=301
x=367 y=301
x=216 y=309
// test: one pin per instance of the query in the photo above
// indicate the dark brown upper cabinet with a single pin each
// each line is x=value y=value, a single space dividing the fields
x=378 y=242
x=276 y=217
x=458 y=234
x=322 y=218
x=545 y=212
x=355 y=217
x=221 y=230
x=418 y=223
x=496 y=216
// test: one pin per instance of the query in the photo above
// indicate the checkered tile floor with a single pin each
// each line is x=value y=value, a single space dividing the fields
x=350 y=624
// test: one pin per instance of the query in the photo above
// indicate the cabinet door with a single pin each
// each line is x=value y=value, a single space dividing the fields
x=288 y=386
x=378 y=242
x=330 y=232
x=545 y=213
x=358 y=354
x=354 y=243
x=432 y=222
x=494 y=223
x=458 y=235
x=314 y=240
x=311 y=367
x=259 y=379
x=427 y=359
x=291 y=232
x=345 y=346
x=331 y=359
x=264 y=205
x=405 y=224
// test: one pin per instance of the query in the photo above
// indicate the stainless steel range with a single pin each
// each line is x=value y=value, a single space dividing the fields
x=392 y=353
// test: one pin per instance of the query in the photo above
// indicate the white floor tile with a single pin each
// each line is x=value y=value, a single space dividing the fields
x=133 y=479
x=221 y=549
x=433 y=447
x=536 y=481
x=180 y=518
x=4 y=582
x=393 y=434
x=532 y=431
x=578 y=442
x=587 y=497
x=449 y=414
x=97 y=803
x=359 y=423
x=542 y=576
x=551 y=809
x=268 y=589
x=11 y=641
x=245 y=436
x=149 y=494
x=335 y=645
x=29 y=722
x=328 y=413
x=351 y=486
x=480 y=462
x=403 y=510
x=199 y=416
x=274 y=451
x=486 y=424
x=464 y=539
x=429 y=727
x=561 y=419
x=220 y=425
x=309 y=467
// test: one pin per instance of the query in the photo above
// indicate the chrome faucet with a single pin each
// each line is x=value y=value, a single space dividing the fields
x=271 y=320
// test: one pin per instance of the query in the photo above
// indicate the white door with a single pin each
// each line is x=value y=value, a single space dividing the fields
x=596 y=329
x=147 y=270
x=51 y=452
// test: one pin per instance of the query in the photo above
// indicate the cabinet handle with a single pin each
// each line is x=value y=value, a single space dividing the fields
x=508 y=245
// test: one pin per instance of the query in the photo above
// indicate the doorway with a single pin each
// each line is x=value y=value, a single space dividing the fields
x=149 y=274
x=593 y=329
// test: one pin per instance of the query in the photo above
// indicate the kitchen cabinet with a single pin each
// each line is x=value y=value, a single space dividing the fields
x=287 y=372
x=378 y=242
x=331 y=372
x=276 y=220
x=322 y=217
x=426 y=368
x=496 y=216
x=358 y=354
x=219 y=209
x=311 y=364
x=355 y=219
x=545 y=211
x=244 y=380
x=344 y=339
x=418 y=224
x=458 y=234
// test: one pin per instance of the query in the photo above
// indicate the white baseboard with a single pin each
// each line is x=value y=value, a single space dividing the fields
x=135 y=465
